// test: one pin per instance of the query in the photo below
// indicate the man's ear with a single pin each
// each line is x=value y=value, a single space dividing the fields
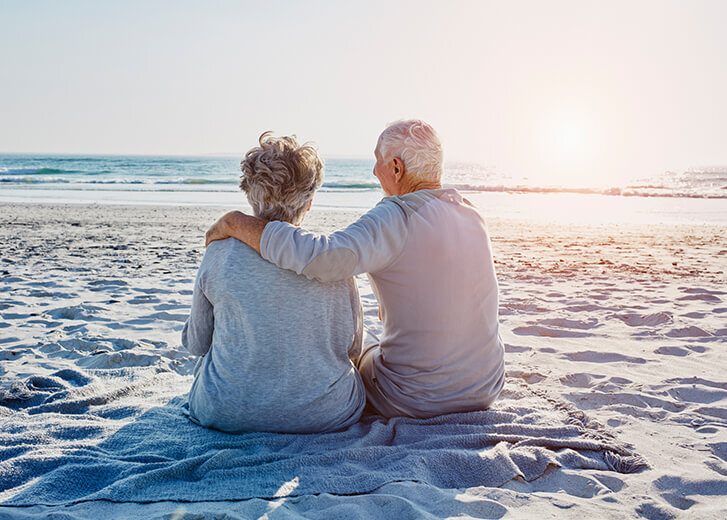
x=398 y=169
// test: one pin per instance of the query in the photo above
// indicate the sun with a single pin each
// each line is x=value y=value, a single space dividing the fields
x=566 y=143
x=570 y=140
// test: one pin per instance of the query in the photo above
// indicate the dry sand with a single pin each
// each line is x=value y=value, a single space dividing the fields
x=627 y=322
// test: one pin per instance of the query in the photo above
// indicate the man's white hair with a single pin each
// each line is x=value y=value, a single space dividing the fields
x=417 y=145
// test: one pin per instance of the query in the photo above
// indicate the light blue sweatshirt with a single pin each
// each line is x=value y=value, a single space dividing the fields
x=276 y=348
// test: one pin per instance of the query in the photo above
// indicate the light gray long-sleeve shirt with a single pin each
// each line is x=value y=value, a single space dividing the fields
x=276 y=348
x=429 y=259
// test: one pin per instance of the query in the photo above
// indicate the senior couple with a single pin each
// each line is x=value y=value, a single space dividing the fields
x=276 y=314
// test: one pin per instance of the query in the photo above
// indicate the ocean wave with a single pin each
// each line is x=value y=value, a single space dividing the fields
x=628 y=191
x=351 y=185
x=48 y=171
x=38 y=177
x=24 y=179
x=65 y=180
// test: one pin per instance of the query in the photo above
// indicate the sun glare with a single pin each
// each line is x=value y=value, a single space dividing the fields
x=567 y=149
x=570 y=140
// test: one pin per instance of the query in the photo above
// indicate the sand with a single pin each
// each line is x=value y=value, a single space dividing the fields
x=628 y=322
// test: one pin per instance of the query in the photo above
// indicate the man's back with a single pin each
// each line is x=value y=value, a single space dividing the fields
x=441 y=351
x=429 y=259
x=279 y=356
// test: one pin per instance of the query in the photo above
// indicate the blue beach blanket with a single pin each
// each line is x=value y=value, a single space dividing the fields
x=122 y=435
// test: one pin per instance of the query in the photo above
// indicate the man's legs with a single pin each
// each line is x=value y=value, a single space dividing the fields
x=376 y=401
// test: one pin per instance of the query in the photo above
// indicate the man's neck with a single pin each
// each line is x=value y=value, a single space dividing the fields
x=409 y=187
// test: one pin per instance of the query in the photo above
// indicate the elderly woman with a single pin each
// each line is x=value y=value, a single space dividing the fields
x=429 y=259
x=276 y=347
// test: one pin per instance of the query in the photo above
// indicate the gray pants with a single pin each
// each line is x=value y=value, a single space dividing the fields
x=376 y=400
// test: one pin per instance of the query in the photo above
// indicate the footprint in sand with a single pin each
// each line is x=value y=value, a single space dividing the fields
x=585 y=307
x=680 y=351
x=44 y=284
x=538 y=330
x=80 y=345
x=719 y=450
x=18 y=315
x=652 y=511
x=688 y=332
x=700 y=290
x=563 y=323
x=142 y=299
x=77 y=312
x=568 y=483
x=118 y=359
x=516 y=349
x=107 y=285
x=695 y=315
x=581 y=379
x=529 y=377
x=165 y=316
x=697 y=381
x=522 y=308
x=13 y=279
x=150 y=290
x=710 y=298
x=645 y=320
x=634 y=404
x=718 y=461
x=592 y=356
x=170 y=306
x=74 y=377
x=697 y=394
x=676 y=489
x=717 y=413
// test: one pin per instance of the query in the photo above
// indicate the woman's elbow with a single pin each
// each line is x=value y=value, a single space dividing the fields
x=192 y=343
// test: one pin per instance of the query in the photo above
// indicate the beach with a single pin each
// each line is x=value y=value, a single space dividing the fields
x=586 y=379
x=625 y=321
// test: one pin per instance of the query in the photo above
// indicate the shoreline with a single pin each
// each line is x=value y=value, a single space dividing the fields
x=558 y=208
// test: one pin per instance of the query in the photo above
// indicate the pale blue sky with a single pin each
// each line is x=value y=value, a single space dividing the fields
x=541 y=88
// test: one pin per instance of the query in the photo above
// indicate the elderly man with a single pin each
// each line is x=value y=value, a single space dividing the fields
x=429 y=260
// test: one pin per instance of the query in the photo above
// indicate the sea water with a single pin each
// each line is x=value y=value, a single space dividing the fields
x=350 y=183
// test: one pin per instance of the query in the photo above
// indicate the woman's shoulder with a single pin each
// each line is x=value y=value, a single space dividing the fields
x=223 y=255
x=230 y=258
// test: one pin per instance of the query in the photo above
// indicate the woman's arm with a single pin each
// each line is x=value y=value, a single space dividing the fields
x=197 y=332
x=354 y=350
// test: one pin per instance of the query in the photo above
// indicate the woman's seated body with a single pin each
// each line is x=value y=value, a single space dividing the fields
x=278 y=350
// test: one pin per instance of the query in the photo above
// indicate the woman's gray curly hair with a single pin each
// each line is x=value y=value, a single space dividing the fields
x=280 y=177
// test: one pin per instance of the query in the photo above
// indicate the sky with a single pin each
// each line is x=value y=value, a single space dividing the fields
x=573 y=89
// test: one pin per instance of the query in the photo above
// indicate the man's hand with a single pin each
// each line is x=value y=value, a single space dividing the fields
x=245 y=228
x=220 y=229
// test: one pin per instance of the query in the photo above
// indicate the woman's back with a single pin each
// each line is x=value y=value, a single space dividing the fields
x=279 y=356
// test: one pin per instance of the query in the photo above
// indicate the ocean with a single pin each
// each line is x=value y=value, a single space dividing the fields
x=691 y=197
x=221 y=173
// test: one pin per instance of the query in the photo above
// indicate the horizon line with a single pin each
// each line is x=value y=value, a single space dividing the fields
x=368 y=157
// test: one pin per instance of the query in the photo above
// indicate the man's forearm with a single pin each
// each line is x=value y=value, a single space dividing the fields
x=235 y=224
x=246 y=228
